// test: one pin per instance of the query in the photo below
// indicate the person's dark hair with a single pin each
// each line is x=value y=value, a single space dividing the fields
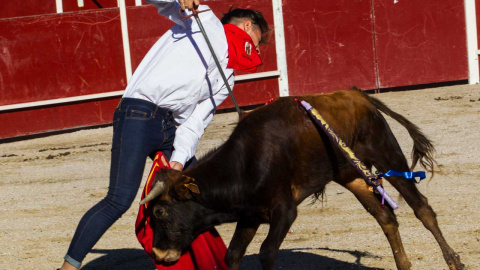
x=235 y=16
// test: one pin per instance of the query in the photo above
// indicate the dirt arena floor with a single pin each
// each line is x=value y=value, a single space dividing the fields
x=46 y=185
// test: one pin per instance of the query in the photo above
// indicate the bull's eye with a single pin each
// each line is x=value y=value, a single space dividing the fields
x=159 y=212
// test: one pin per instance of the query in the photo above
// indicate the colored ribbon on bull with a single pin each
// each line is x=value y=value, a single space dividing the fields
x=369 y=177
x=406 y=175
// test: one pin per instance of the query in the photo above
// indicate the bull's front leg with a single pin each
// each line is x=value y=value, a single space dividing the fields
x=244 y=233
x=281 y=218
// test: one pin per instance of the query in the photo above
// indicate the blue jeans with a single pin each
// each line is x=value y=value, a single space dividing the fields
x=140 y=129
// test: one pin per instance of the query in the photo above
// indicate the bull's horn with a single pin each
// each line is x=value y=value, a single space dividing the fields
x=157 y=189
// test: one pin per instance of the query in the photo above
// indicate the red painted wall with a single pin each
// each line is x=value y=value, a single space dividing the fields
x=53 y=118
x=15 y=8
x=331 y=44
x=55 y=56
x=76 y=53
x=477 y=10
x=334 y=44
x=61 y=55
x=420 y=42
x=72 y=5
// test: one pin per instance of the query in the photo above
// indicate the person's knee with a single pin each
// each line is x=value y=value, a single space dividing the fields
x=120 y=203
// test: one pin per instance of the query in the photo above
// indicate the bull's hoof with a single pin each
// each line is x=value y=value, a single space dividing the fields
x=454 y=263
x=457 y=266
x=460 y=266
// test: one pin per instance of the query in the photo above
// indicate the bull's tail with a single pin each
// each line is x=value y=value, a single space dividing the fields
x=423 y=148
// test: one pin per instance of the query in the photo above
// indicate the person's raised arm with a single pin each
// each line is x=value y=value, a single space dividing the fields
x=189 y=133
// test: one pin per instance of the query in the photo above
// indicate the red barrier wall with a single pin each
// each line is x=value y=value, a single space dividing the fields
x=11 y=8
x=373 y=44
x=72 y=5
x=60 y=117
x=15 y=8
x=419 y=42
x=61 y=55
x=75 y=53
x=330 y=45
x=477 y=10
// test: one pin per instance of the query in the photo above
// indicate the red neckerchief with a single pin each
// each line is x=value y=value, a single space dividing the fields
x=242 y=54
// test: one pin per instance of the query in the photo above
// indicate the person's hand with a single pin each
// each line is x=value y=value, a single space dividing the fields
x=189 y=4
x=176 y=166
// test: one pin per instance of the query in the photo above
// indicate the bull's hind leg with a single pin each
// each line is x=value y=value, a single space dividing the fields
x=384 y=216
x=396 y=161
x=244 y=233
x=281 y=218
x=424 y=212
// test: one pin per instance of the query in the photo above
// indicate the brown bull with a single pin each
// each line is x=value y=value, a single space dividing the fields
x=274 y=159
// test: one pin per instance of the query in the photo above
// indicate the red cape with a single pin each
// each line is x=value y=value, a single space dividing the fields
x=207 y=251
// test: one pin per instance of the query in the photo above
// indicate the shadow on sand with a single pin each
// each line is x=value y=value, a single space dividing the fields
x=302 y=259
x=297 y=259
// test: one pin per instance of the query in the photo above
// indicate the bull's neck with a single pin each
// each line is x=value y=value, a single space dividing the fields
x=219 y=178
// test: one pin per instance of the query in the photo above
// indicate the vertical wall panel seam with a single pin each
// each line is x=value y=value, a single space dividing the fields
x=59 y=5
x=280 y=47
x=125 y=39
x=374 y=36
x=472 y=42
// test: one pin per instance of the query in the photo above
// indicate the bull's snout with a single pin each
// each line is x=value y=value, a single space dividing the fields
x=169 y=255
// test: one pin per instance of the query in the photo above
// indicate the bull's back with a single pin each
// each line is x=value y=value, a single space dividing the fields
x=344 y=110
x=347 y=112
x=304 y=161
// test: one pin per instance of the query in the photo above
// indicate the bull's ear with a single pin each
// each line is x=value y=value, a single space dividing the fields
x=192 y=187
x=185 y=187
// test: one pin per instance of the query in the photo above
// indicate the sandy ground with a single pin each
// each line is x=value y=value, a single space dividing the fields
x=46 y=185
